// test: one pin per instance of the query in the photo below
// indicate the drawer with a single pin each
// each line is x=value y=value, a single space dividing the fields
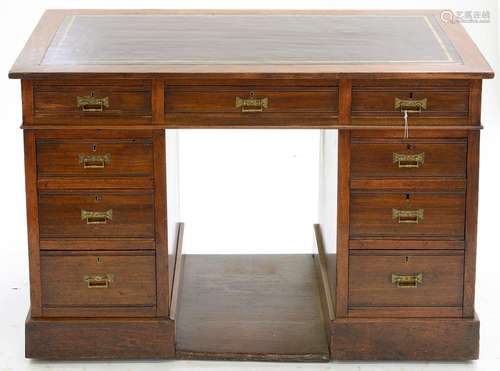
x=71 y=104
x=218 y=99
x=408 y=159
x=96 y=214
x=399 y=280
x=98 y=280
x=378 y=214
x=431 y=99
x=95 y=158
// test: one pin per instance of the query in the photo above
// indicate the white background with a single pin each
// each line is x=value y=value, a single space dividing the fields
x=242 y=190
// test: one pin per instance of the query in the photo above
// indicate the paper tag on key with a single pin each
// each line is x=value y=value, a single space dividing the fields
x=406 y=129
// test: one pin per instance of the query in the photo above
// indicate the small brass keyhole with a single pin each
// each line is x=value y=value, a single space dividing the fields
x=407 y=259
x=99 y=260
x=94 y=147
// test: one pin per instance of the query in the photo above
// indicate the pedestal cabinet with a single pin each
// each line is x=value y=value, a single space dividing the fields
x=397 y=95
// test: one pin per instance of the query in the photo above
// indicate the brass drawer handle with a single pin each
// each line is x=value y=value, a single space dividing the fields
x=410 y=105
x=407 y=281
x=408 y=216
x=252 y=104
x=98 y=282
x=408 y=160
x=91 y=103
x=97 y=217
x=94 y=161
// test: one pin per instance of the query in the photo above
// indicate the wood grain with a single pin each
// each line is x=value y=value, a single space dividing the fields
x=176 y=266
x=439 y=159
x=381 y=102
x=132 y=214
x=27 y=101
x=133 y=282
x=98 y=338
x=160 y=224
x=370 y=281
x=471 y=223
x=263 y=307
x=316 y=74
x=220 y=99
x=424 y=339
x=123 y=158
x=32 y=222
x=343 y=223
x=56 y=102
x=40 y=59
x=371 y=215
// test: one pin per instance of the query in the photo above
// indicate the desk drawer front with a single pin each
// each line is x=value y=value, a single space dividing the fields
x=419 y=101
x=405 y=280
x=98 y=280
x=96 y=214
x=87 y=103
x=397 y=159
x=87 y=158
x=374 y=214
x=216 y=99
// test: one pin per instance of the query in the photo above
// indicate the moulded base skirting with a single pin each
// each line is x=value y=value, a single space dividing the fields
x=105 y=338
x=427 y=339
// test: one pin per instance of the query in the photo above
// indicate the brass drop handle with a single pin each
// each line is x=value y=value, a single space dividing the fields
x=252 y=104
x=410 y=105
x=94 y=161
x=406 y=160
x=99 y=281
x=407 y=281
x=408 y=216
x=96 y=217
x=91 y=103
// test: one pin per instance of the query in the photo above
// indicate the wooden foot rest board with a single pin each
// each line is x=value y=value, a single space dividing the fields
x=250 y=307
x=393 y=276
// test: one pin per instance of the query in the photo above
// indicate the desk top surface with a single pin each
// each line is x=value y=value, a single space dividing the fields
x=350 y=43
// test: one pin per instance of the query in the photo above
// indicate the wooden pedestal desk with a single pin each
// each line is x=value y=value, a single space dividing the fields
x=393 y=276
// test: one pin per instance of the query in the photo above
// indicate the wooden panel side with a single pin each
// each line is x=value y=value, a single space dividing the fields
x=27 y=101
x=345 y=101
x=162 y=278
x=175 y=265
x=322 y=261
x=344 y=159
x=32 y=220
x=471 y=222
x=158 y=101
x=475 y=90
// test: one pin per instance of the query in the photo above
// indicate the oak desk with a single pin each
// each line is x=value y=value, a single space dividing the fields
x=393 y=277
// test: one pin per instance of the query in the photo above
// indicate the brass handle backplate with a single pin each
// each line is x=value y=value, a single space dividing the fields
x=407 y=281
x=99 y=281
x=406 y=160
x=96 y=217
x=410 y=105
x=91 y=103
x=408 y=216
x=252 y=104
x=94 y=161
